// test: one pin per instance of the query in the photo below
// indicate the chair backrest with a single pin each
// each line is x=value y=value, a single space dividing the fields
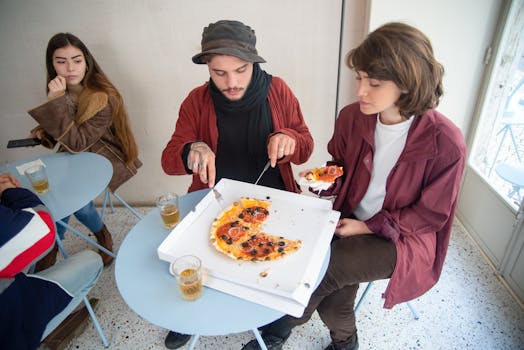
x=87 y=266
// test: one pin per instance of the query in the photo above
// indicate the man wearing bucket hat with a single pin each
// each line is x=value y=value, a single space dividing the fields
x=232 y=125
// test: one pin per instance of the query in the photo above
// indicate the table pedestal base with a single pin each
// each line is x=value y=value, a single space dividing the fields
x=255 y=331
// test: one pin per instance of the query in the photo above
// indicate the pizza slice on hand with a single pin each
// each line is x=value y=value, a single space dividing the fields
x=321 y=178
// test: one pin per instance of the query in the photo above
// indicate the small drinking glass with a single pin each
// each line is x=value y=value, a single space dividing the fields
x=168 y=205
x=38 y=178
x=188 y=272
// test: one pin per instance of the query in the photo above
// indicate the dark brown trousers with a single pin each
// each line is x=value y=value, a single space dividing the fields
x=355 y=259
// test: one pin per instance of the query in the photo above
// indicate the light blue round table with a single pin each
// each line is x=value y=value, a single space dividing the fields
x=151 y=291
x=74 y=181
x=514 y=174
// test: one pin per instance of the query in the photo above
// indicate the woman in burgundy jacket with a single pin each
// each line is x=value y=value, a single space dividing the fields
x=403 y=163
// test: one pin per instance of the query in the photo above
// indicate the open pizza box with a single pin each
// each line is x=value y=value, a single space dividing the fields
x=290 y=281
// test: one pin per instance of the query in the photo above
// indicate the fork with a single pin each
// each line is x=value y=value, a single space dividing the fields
x=218 y=195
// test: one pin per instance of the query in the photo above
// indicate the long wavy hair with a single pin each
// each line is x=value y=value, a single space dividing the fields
x=96 y=80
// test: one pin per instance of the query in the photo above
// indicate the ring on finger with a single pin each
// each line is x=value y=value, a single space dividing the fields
x=281 y=149
x=195 y=165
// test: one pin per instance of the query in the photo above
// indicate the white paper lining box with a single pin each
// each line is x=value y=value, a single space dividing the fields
x=291 y=280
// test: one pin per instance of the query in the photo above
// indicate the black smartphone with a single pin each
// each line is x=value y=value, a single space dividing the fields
x=24 y=143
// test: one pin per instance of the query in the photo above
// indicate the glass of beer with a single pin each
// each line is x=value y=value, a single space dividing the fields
x=188 y=272
x=38 y=178
x=168 y=205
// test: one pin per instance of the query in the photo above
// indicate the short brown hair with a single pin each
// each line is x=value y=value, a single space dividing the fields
x=403 y=54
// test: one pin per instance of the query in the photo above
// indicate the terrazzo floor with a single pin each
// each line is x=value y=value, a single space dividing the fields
x=468 y=309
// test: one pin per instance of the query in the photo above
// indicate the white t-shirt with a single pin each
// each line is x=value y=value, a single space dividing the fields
x=389 y=143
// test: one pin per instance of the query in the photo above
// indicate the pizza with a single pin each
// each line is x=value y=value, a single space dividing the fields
x=237 y=233
x=321 y=178
x=327 y=174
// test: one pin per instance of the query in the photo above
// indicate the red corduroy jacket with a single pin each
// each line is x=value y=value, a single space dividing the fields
x=197 y=122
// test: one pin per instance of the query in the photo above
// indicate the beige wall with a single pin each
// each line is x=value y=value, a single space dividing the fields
x=145 y=48
x=460 y=32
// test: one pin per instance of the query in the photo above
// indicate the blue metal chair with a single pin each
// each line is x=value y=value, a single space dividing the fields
x=86 y=300
x=96 y=323
x=359 y=302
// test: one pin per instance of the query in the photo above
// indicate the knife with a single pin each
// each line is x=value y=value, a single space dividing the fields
x=263 y=171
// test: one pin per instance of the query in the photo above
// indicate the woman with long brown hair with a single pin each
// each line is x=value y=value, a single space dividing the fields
x=84 y=112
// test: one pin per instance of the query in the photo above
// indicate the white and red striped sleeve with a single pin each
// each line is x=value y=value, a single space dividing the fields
x=26 y=233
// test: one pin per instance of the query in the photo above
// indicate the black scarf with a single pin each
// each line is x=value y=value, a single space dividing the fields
x=243 y=128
